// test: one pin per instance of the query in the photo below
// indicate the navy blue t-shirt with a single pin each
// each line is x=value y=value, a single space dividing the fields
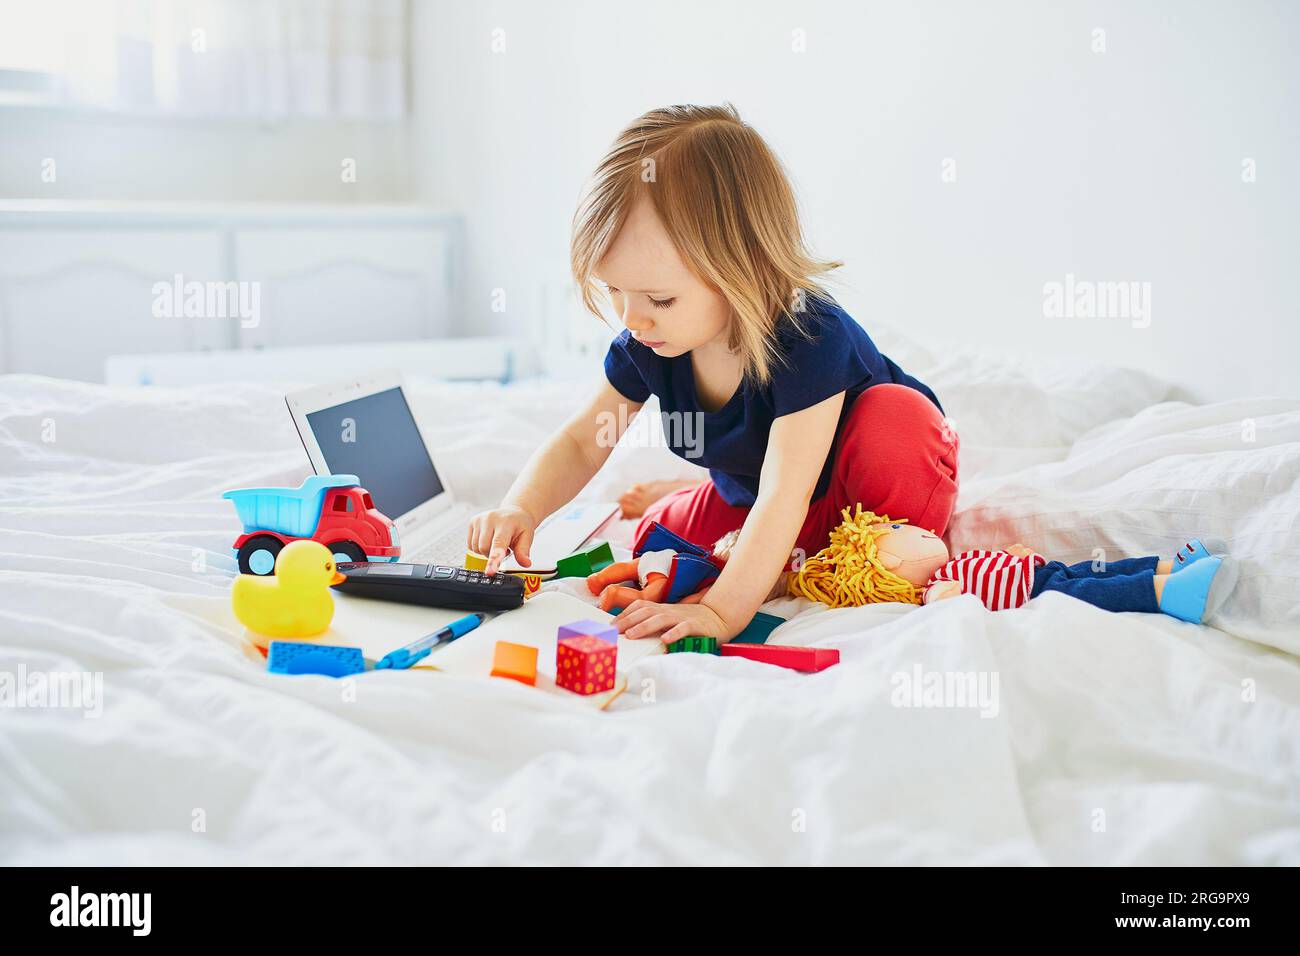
x=839 y=357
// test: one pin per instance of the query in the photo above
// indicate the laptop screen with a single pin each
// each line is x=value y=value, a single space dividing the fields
x=375 y=438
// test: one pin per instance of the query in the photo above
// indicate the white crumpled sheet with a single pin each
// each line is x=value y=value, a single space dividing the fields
x=1117 y=738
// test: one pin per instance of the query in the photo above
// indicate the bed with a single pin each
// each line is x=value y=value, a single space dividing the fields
x=1095 y=738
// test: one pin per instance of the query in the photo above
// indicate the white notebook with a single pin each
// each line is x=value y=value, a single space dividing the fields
x=378 y=627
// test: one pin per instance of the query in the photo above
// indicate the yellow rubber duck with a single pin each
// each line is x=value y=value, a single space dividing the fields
x=295 y=601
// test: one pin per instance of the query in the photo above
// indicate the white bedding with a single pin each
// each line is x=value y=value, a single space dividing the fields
x=1115 y=738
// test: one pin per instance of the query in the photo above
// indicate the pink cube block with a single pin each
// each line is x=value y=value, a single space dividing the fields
x=585 y=664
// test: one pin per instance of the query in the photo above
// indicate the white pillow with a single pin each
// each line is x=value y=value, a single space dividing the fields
x=1146 y=484
x=1008 y=400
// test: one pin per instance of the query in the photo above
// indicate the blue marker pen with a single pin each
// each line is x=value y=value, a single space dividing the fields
x=409 y=655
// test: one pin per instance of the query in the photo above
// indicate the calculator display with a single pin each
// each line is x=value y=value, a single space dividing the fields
x=392 y=569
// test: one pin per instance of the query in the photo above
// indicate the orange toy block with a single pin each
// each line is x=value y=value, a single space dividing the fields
x=516 y=661
x=585 y=664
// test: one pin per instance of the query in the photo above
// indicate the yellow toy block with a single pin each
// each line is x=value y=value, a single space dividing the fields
x=475 y=561
x=516 y=661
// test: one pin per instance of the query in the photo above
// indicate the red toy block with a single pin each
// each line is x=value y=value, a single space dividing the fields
x=808 y=659
x=585 y=664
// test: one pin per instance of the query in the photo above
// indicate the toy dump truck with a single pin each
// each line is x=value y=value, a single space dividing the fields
x=332 y=509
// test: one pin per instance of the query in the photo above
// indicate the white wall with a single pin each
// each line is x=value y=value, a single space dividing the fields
x=1115 y=166
x=100 y=156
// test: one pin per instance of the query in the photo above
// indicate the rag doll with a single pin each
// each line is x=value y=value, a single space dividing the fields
x=872 y=559
x=668 y=569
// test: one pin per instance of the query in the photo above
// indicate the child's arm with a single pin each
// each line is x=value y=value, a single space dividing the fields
x=553 y=476
x=796 y=450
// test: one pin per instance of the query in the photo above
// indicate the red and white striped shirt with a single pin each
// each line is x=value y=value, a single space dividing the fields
x=998 y=578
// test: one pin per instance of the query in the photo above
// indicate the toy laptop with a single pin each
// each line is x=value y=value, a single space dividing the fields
x=365 y=427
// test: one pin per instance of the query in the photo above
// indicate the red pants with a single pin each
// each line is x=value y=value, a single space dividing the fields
x=895 y=455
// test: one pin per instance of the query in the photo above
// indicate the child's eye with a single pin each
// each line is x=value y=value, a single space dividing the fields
x=662 y=303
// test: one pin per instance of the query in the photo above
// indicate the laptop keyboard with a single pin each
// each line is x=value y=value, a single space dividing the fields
x=448 y=549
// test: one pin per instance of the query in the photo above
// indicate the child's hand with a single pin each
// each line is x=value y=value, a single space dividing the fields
x=1019 y=550
x=671 y=622
x=496 y=533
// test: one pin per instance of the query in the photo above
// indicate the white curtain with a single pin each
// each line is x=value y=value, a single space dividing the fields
x=269 y=59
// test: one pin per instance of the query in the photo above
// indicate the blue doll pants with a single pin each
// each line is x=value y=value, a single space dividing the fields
x=1124 y=585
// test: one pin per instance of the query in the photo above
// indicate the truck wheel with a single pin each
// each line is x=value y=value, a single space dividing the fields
x=347 y=551
x=258 y=555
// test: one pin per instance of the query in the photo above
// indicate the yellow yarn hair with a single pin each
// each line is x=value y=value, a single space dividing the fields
x=847 y=572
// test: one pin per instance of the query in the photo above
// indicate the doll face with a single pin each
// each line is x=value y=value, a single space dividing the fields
x=914 y=554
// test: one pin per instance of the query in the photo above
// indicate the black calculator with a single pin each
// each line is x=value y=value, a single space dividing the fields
x=435 y=585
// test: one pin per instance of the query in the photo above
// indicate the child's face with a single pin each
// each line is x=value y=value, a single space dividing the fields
x=662 y=303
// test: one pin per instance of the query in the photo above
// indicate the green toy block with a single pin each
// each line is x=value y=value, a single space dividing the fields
x=574 y=566
x=582 y=563
x=694 y=645
x=601 y=557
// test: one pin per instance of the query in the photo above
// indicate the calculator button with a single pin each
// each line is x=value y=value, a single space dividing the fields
x=441 y=571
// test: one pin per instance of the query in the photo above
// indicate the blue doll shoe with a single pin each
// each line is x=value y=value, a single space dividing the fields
x=1196 y=592
x=1196 y=549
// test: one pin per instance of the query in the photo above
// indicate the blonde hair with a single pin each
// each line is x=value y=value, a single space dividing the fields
x=848 y=572
x=727 y=205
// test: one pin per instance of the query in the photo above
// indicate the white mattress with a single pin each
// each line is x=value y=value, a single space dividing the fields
x=1116 y=738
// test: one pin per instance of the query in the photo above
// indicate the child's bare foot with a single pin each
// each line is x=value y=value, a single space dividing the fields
x=639 y=497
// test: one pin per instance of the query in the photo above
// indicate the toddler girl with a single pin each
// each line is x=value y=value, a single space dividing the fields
x=689 y=230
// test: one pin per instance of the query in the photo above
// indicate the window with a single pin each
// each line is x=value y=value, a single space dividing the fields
x=263 y=59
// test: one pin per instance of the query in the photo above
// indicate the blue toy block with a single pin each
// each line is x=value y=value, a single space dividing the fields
x=756 y=631
x=759 y=629
x=606 y=632
x=296 y=657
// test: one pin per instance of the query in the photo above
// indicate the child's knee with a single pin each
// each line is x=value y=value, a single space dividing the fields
x=899 y=451
x=896 y=412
